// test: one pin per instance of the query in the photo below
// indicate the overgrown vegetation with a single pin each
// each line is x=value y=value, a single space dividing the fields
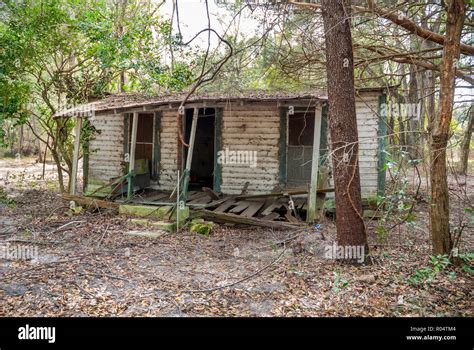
x=4 y=198
x=58 y=53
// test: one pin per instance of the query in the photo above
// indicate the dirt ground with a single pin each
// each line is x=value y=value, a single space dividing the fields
x=87 y=264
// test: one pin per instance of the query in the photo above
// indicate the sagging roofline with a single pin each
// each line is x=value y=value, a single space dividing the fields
x=133 y=102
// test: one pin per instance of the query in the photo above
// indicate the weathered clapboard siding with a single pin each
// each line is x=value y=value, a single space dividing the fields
x=169 y=150
x=245 y=127
x=251 y=128
x=367 y=127
x=106 y=158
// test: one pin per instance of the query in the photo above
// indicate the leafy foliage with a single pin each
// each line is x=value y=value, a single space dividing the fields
x=439 y=264
x=57 y=53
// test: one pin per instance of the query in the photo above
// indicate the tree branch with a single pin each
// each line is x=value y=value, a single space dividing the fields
x=399 y=19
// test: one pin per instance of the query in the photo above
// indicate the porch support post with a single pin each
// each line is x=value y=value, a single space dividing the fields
x=311 y=216
x=131 y=164
x=75 y=157
x=189 y=158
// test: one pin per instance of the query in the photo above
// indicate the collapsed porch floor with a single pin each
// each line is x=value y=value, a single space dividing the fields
x=273 y=207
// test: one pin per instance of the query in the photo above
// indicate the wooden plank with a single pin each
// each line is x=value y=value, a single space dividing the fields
x=213 y=195
x=157 y=196
x=311 y=215
x=193 y=194
x=283 y=194
x=320 y=205
x=131 y=164
x=267 y=203
x=189 y=158
x=224 y=206
x=271 y=208
x=304 y=206
x=201 y=200
x=237 y=219
x=198 y=196
x=299 y=202
x=214 y=204
x=75 y=158
x=291 y=218
x=241 y=206
x=271 y=216
x=293 y=210
x=253 y=208
x=290 y=215
x=245 y=188
x=90 y=202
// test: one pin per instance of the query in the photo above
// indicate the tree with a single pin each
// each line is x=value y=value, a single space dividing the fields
x=439 y=209
x=375 y=47
x=343 y=123
x=57 y=53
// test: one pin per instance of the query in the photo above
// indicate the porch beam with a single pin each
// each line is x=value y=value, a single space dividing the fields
x=131 y=164
x=75 y=157
x=189 y=157
x=311 y=216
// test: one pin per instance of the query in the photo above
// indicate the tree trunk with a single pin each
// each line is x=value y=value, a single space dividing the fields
x=22 y=140
x=430 y=80
x=57 y=161
x=412 y=136
x=439 y=208
x=343 y=123
x=466 y=142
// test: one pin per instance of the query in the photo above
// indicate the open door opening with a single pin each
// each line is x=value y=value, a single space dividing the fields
x=299 y=149
x=202 y=166
x=143 y=150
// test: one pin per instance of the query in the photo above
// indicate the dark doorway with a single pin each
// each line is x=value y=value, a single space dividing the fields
x=300 y=148
x=202 y=167
x=143 y=149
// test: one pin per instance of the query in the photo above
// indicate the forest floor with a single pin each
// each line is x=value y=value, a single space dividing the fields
x=87 y=264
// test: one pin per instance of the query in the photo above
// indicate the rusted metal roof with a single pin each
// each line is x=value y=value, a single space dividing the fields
x=135 y=100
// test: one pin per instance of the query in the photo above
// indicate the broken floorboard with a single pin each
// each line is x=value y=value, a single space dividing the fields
x=226 y=205
x=252 y=209
x=282 y=194
x=270 y=208
x=91 y=201
x=238 y=219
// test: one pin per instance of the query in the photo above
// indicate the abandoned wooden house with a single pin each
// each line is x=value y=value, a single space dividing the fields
x=249 y=143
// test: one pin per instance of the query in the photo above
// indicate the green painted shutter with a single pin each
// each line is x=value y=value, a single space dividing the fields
x=155 y=173
x=323 y=146
x=382 y=133
x=282 y=147
x=217 y=147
